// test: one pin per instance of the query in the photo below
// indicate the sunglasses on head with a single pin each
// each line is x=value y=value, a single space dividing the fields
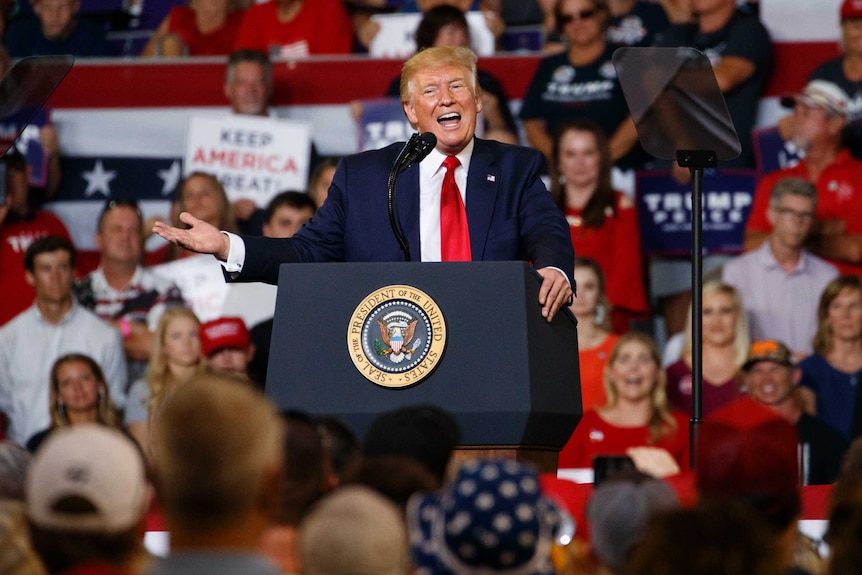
x=581 y=15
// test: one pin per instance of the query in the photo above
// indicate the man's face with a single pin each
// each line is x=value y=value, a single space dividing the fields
x=791 y=218
x=119 y=239
x=56 y=16
x=52 y=277
x=771 y=383
x=812 y=126
x=231 y=360
x=286 y=221
x=247 y=89
x=442 y=101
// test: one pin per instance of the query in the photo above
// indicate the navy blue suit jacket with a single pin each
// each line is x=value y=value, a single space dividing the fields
x=510 y=213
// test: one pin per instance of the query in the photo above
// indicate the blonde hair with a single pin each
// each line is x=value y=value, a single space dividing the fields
x=106 y=413
x=227 y=220
x=741 y=337
x=218 y=445
x=159 y=376
x=661 y=423
x=437 y=57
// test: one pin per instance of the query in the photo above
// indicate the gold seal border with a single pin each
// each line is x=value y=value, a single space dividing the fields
x=370 y=303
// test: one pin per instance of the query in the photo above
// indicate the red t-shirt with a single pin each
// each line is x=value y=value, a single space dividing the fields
x=320 y=27
x=592 y=363
x=218 y=42
x=839 y=197
x=594 y=436
x=715 y=395
x=15 y=238
x=616 y=247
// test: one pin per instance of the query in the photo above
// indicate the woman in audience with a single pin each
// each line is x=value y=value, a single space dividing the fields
x=595 y=339
x=636 y=420
x=203 y=28
x=176 y=358
x=725 y=348
x=603 y=222
x=580 y=82
x=78 y=394
x=834 y=370
x=203 y=196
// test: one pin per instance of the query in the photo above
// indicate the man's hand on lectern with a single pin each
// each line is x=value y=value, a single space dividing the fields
x=201 y=237
x=554 y=292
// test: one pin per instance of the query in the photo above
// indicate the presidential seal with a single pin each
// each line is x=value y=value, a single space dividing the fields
x=396 y=336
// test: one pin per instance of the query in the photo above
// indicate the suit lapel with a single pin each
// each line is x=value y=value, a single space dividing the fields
x=482 y=182
x=407 y=188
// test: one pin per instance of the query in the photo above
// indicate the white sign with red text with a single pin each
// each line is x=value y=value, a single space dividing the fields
x=201 y=280
x=253 y=158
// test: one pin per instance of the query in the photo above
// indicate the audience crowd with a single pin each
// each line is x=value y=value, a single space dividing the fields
x=121 y=408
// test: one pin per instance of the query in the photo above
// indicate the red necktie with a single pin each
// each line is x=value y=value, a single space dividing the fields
x=454 y=233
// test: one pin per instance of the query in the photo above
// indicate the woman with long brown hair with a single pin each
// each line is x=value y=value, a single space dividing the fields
x=834 y=370
x=78 y=394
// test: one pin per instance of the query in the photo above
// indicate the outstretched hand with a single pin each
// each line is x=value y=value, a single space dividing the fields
x=554 y=292
x=201 y=237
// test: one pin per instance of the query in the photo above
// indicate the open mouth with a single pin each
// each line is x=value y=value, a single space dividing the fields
x=449 y=120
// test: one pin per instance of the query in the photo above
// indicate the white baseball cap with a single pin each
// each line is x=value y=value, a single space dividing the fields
x=92 y=462
x=820 y=94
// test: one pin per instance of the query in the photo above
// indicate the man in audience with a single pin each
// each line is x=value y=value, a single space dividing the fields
x=819 y=113
x=618 y=513
x=781 y=275
x=771 y=379
x=20 y=226
x=217 y=465
x=57 y=30
x=740 y=51
x=248 y=89
x=122 y=292
x=285 y=214
x=749 y=455
x=53 y=326
x=87 y=495
x=354 y=531
x=227 y=347
x=248 y=83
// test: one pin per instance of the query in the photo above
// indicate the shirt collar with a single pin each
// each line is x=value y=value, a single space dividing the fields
x=434 y=161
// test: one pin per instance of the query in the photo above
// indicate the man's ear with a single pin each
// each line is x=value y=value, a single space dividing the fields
x=30 y=278
x=410 y=112
x=797 y=375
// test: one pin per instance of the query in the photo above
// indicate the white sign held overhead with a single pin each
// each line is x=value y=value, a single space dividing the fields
x=254 y=158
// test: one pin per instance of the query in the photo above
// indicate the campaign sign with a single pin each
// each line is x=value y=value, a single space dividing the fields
x=382 y=123
x=396 y=38
x=664 y=211
x=253 y=158
x=28 y=142
x=201 y=280
x=772 y=152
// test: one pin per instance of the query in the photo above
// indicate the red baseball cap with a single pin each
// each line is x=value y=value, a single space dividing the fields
x=224 y=332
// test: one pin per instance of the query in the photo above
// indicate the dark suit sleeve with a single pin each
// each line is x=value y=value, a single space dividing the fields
x=544 y=232
x=320 y=240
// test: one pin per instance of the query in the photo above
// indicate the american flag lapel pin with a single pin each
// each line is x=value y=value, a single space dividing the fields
x=491 y=178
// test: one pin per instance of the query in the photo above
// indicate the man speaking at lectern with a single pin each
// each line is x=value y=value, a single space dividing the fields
x=509 y=213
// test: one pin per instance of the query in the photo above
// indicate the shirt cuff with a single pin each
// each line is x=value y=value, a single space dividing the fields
x=235 y=255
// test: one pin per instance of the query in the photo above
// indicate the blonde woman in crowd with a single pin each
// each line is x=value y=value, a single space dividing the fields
x=725 y=348
x=636 y=420
x=78 y=394
x=176 y=358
